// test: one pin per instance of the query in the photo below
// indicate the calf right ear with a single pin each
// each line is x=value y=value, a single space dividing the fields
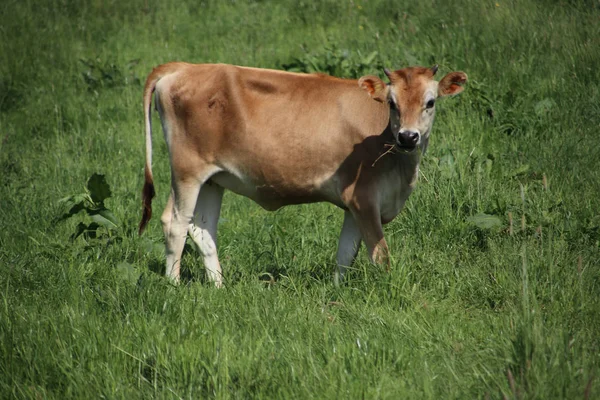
x=376 y=88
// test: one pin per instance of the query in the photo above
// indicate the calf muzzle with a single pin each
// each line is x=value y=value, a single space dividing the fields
x=408 y=139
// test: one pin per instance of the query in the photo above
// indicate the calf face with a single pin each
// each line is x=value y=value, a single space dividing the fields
x=412 y=93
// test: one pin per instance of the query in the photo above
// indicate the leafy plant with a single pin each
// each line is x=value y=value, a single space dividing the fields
x=334 y=61
x=101 y=222
x=105 y=74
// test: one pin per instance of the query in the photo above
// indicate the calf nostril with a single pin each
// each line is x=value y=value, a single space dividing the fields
x=412 y=137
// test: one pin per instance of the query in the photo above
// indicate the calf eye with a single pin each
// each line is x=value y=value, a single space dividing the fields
x=430 y=103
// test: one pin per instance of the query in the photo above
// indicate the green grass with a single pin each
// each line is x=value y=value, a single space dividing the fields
x=466 y=312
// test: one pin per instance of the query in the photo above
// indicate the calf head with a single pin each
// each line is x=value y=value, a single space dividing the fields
x=411 y=94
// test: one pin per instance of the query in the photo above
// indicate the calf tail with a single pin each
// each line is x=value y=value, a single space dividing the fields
x=148 y=190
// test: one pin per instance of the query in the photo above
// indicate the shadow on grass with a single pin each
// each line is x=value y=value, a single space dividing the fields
x=188 y=275
x=270 y=272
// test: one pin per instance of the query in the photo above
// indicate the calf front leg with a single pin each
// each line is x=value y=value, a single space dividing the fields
x=368 y=219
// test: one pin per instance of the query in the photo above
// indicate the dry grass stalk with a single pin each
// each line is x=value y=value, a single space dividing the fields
x=389 y=150
x=512 y=383
x=544 y=181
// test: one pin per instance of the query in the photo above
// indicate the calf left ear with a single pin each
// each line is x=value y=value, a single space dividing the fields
x=451 y=84
x=376 y=88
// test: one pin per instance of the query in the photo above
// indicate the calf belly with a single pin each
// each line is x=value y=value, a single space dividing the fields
x=272 y=196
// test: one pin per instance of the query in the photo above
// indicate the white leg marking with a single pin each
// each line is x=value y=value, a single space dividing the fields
x=203 y=230
x=348 y=246
x=176 y=221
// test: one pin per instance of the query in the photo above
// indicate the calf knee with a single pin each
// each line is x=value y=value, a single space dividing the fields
x=165 y=220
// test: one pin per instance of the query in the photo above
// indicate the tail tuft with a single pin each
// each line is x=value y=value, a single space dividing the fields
x=147 y=196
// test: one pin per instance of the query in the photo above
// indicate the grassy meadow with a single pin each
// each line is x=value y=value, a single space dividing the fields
x=494 y=290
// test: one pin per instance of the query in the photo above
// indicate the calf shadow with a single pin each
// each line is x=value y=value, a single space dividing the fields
x=158 y=266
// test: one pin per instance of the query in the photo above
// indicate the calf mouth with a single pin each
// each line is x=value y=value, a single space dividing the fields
x=406 y=148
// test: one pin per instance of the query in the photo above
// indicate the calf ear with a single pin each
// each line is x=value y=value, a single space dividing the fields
x=376 y=88
x=451 y=84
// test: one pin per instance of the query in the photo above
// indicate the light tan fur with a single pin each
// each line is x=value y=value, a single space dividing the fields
x=284 y=138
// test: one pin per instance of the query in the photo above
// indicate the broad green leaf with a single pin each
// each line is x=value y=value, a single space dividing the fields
x=106 y=213
x=103 y=217
x=485 y=221
x=99 y=189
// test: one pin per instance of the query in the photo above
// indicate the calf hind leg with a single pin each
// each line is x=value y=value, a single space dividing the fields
x=175 y=219
x=203 y=229
x=178 y=216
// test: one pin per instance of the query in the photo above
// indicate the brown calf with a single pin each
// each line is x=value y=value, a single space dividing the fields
x=284 y=138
